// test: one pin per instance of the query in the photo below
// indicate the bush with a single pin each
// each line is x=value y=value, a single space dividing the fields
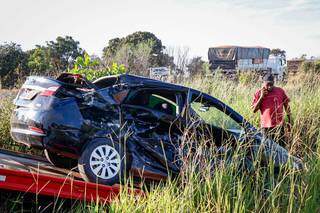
x=136 y=58
x=91 y=68
x=311 y=67
x=6 y=108
x=6 y=142
x=317 y=66
x=248 y=77
x=307 y=66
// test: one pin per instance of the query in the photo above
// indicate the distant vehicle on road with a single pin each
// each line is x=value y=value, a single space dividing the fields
x=159 y=73
x=257 y=59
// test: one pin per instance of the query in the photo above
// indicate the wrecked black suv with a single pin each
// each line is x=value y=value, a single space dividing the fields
x=125 y=124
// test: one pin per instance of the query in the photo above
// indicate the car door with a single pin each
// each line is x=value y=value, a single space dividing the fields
x=150 y=121
x=212 y=119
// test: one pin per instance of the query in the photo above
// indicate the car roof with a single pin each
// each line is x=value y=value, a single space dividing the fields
x=134 y=80
x=138 y=81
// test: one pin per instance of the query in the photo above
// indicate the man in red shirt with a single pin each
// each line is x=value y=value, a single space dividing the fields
x=272 y=101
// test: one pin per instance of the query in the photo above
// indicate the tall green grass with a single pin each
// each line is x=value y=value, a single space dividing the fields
x=6 y=109
x=229 y=188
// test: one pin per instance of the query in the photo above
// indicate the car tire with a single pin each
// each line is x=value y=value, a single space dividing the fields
x=103 y=161
x=60 y=161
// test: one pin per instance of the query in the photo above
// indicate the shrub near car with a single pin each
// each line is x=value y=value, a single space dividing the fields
x=124 y=124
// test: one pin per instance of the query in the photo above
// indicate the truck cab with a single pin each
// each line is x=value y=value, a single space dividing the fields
x=277 y=64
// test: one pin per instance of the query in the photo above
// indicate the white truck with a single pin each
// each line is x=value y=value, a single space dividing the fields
x=277 y=64
x=257 y=59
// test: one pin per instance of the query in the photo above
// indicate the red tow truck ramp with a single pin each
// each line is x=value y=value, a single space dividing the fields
x=30 y=174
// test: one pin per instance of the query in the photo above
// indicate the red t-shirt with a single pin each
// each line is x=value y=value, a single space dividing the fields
x=271 y=107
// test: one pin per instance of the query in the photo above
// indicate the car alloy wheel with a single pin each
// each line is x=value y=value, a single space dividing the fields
x=105 y=162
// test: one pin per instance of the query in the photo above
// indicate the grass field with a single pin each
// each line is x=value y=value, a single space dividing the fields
x=227 y=190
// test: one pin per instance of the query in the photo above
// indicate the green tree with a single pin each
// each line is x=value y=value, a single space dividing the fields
x=86 y=62
x=63 y=52
x=134 y=57
x=92 y=70
x=126 y=47
x=166 y=60
x=147 y=37
x=12 y=63
x=303 y=56
x=310 y=66
x=134 y=39
x=196 y=66
x=11 y=56
x=278 y=52
x=39 y=61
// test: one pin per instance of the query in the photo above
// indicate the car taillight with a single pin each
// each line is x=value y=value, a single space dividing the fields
x=50 y=91
x=36 y=129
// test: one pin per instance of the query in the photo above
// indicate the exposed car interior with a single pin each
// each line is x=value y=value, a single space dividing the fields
x=76 y=80
x=106 y=81
x=162 y=101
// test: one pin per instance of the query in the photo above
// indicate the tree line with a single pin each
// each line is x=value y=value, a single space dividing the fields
x=134 y=53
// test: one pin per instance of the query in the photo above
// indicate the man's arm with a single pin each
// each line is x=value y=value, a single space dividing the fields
x=256 y=106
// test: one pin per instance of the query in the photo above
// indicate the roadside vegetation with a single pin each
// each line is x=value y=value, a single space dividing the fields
x=198 y=189
x=226 y=189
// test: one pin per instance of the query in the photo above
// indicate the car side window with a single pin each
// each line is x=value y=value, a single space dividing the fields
x=162 y=104
x=154 y=100
x=207 y=112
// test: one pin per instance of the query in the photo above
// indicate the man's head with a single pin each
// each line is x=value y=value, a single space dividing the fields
x=268 y=81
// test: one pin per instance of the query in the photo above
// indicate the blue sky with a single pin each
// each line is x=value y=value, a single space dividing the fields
x=293 y=25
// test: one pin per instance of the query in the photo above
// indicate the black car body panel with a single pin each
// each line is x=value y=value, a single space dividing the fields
x=64 y=115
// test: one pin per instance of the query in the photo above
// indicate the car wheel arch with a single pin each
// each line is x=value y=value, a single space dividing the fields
x=92 y=145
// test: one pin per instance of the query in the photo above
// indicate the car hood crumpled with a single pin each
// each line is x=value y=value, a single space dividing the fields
x=269 y=150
